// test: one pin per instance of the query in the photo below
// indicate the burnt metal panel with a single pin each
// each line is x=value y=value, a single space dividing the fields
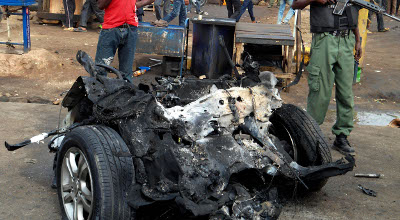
x=208 y=56
x=165 y=41
x=215 y=21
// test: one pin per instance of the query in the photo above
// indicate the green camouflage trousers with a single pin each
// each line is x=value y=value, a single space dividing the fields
x=332 y=62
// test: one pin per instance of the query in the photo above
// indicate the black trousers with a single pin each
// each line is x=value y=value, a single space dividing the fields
x=88 y=8
x=379 y=20
x=69 y=7
x=234 y=11
x=140 y=14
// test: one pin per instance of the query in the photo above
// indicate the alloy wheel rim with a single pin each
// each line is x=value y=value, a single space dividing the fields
x=293 y=144
x=76 y=185
x=287 y=137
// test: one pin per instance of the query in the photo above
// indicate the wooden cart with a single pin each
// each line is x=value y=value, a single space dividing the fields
x=277 y=36
x=52 y=11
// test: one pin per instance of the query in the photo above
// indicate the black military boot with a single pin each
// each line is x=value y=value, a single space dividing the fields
x=342 y=145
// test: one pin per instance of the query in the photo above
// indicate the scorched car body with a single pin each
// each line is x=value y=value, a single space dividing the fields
x=184 y=149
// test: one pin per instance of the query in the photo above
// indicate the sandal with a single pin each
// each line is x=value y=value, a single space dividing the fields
x=69 y=29
x=384 y=30
x=80 y=29
x=160 y=23
x=154 y=22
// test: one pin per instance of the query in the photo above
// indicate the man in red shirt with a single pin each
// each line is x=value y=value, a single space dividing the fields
x=119 y=32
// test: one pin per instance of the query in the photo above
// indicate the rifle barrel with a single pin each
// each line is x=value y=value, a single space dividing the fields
x=373 y=8
x=391 y=16
x=367 y=5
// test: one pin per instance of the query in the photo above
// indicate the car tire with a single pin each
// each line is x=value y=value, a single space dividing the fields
x=94 y=164
x=300 y=130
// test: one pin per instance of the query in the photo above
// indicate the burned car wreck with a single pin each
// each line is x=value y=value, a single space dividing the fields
x=184 y=149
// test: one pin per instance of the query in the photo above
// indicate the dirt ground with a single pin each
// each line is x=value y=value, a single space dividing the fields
x=51 y=68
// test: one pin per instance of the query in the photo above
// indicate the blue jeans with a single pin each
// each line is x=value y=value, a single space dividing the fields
x=282 y=9
x=123 y=39
x=157 y=8
x=246 y=4
x=196 y=4
x=179 y=8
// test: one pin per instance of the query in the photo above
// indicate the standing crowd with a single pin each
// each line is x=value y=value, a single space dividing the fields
x=180 y=9
x=236 y=10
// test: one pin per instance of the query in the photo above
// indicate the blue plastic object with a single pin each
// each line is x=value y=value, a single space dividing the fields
x=144 y=68
x=25 y=24
x=17 y=2
x=164 y=41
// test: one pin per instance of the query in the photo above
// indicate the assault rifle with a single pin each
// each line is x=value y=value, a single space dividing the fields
x=341 y=4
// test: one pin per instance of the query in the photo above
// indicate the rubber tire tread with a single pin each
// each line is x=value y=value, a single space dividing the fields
x=114 y=175
x=307 y=133
x=310 y=141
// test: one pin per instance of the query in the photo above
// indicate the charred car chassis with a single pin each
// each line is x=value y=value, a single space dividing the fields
x=183 y=149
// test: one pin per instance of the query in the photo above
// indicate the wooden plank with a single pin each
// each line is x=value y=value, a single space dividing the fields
x=265 y=35
x=234 y=55
x=271 y=32
x=284 y=75
x=265 y=31
x=57 y=7
x=298 y=43
x=284 y=61
x=45 y=5
x=46 y=21
x=274 y=69
x=251 y=26
x=288 y=32
x=262 y=28
x=239 y=50
x=54 y=16
x=261 y=36
x=290 y=68
x=264 y=39
x=261 y=31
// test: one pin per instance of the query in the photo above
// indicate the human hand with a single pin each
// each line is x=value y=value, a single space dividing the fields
x=358 y=50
